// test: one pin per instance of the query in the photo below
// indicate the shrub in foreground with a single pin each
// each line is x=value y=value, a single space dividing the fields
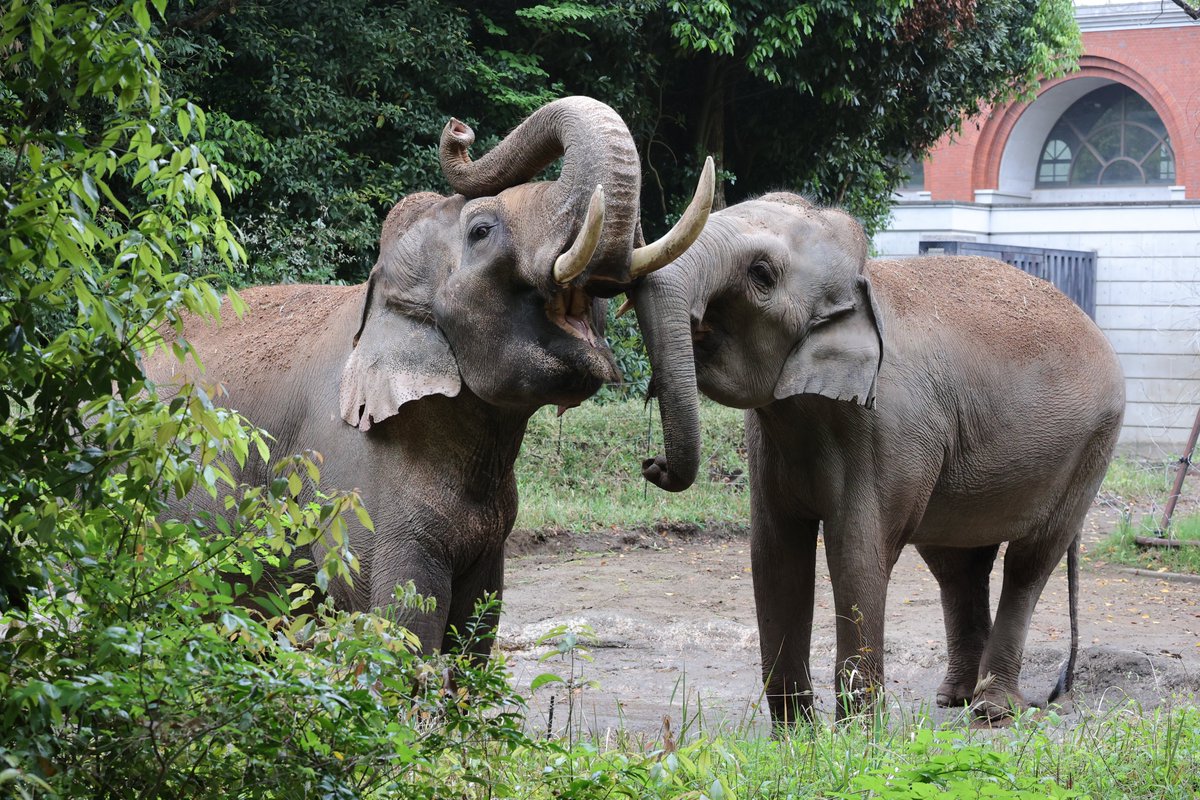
x=133 y=660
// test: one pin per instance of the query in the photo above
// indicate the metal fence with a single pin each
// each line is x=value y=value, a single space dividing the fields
x=1072 y=271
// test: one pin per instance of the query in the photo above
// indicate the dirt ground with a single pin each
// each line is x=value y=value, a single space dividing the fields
x=673 y=612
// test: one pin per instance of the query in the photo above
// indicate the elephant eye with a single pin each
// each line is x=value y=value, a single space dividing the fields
x=761 y=275
x=479 y=231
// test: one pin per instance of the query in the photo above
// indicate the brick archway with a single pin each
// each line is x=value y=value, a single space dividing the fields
x=993 y=138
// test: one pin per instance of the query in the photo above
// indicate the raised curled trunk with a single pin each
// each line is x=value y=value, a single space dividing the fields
x=662 y=303
x=596 y=148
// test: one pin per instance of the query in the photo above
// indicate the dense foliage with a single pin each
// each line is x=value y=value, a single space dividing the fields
x=132 y=663
x=325 y=114
x=824 y=97
x=333 y=109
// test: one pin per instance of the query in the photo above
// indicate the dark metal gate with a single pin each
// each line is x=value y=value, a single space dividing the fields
x=1072 y=271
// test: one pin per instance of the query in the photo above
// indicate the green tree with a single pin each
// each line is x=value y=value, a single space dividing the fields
x=824 y=97
x=87 y=275
x=131 y=663
x=332 y=111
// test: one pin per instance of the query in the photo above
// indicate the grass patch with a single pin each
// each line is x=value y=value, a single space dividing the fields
x=582 y=471
x=1125 y=753
x=1141 y=487
x=1137 y=480
x=1121 y=751
x=1120 y=547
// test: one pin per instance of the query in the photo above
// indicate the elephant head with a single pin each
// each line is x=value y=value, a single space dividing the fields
x=498 y=287
x=771 y=301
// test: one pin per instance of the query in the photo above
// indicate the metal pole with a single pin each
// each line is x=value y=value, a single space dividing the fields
x=1185 y=461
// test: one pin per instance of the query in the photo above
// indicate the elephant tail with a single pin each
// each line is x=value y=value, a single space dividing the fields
x=1066 y=678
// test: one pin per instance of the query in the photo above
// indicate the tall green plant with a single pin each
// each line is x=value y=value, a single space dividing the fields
x=99 y=209
x=133 y=662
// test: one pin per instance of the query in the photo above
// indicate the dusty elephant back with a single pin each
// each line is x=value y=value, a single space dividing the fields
x=273 y=337
x=1017 y=316
x=1012 y=364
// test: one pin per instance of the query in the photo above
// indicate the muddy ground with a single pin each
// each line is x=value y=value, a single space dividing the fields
x=673 y=611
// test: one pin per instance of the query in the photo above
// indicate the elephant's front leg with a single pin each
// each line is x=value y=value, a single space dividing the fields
x=783 y=561
x=860 y=563
x=466 y=629
x=395 y=564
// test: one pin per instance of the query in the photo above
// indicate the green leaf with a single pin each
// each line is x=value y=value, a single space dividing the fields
x=140 y=15
x=543 y=679
x=364 y=518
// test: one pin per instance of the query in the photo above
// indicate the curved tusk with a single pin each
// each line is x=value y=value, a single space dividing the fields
x=658 y=254
x=571 y=264
x=624 y=309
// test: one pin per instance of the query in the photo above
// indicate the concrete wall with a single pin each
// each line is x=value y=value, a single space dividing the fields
x=1147 y=293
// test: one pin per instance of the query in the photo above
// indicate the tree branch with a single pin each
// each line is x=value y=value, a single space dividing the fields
x=1192 y=11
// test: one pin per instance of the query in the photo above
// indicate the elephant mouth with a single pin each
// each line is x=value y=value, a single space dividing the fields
x=704 y=341
x=571 y=310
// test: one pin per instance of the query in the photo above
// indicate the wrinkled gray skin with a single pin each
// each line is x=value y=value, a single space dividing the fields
x=416 y=387
x=990 y=418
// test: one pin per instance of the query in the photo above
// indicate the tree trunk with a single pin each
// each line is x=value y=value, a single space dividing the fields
x=710 y=128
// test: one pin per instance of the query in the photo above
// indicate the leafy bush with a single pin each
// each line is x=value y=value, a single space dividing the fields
x=945 y=766
x=143 y=651
x=629 y=349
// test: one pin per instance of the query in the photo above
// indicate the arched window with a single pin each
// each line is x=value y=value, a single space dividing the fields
x=914 y=179
x=1108 y=137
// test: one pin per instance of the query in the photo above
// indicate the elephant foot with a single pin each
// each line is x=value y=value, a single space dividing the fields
x=954 y=693
x=789 y=710
x=952 y=696
x=997 y=704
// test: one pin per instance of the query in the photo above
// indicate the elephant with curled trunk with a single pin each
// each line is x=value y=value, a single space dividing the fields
x=952 y=403
x=417 y=385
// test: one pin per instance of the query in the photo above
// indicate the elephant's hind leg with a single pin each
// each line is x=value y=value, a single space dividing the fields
x=963 y=574
x=1028 y=564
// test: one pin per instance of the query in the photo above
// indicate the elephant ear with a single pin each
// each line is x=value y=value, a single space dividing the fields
x=396 y=359
x=840 y=357
x=399 y=353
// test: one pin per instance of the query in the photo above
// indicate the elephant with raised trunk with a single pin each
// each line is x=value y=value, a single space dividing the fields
x=417 y=385
x=952 y=403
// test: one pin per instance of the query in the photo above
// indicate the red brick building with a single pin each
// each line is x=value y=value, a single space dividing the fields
x=1104 y=160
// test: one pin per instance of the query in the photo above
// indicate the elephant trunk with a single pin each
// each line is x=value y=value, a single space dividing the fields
x=663 y=307
x=597 y=150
